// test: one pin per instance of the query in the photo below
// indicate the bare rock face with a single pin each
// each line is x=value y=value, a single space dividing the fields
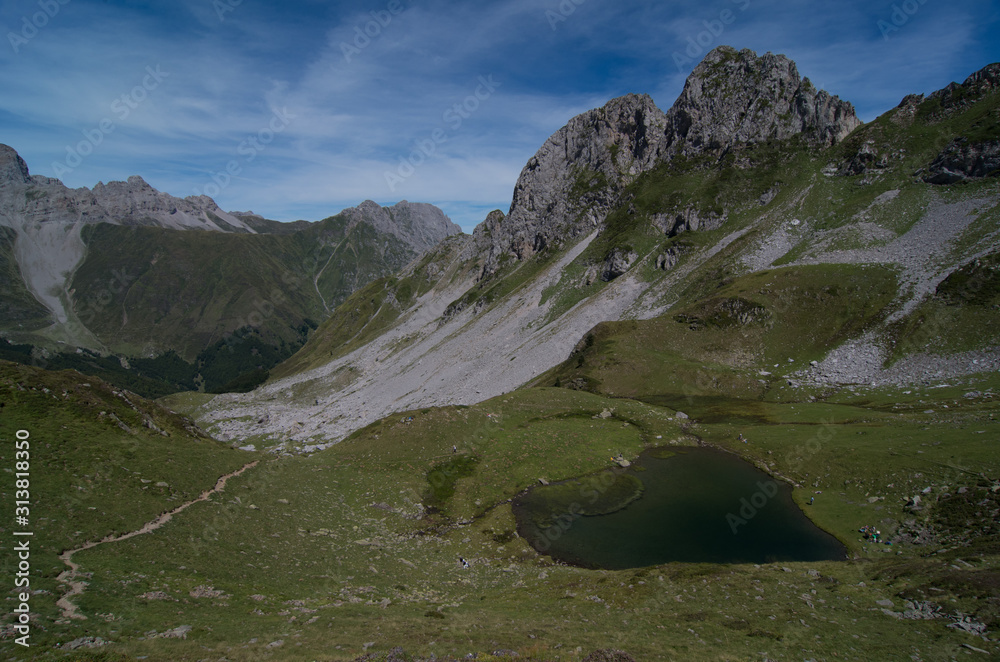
x=134 y=202
x=570 y=184
x=617 y=263
x=27 y=200
x=961 y=160
x=690 y=219
x=13 y=169
x=420 y=225
x=732 y=97
x=735 y=97
x=956 y=96
x=866 y=159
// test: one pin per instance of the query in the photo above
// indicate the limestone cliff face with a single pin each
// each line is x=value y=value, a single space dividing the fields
x=419 y=225
x=13 y=169
x=27 y=199
x=732 y=97
x=570 y=184
x=739 y=97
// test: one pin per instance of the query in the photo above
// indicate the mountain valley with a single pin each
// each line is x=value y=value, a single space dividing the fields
x=754 y=271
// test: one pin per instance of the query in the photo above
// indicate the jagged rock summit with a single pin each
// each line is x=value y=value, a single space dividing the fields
x=735 y=97
x=418 y=224
x=731 y=98
x=12 y=167
x=569 y=185
x=26 y=199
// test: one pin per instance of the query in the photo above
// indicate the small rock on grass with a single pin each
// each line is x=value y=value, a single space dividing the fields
x=609 y=655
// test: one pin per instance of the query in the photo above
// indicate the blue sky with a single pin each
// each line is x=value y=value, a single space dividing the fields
x=291 y=110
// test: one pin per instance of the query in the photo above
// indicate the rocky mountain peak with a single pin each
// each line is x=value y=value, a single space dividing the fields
x=12 y=166
x=568 y=187
x=958 y=96
x=987 y=78
x=418 y=224
x=37 y=199
x=135 y=184
x=736 y=97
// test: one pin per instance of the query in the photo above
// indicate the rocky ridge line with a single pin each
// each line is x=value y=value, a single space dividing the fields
x=732 y=97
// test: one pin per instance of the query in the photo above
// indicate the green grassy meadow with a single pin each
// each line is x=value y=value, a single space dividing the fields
x=355 y=549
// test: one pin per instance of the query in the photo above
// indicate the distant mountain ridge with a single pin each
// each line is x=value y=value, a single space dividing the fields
x=133 y=202
x=124 y=268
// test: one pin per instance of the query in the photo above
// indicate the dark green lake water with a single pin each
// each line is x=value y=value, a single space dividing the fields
x=698 y=505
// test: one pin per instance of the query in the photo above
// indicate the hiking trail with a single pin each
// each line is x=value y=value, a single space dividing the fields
x=69 y=610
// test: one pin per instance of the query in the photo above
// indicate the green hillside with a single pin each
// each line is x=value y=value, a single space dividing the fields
x=187 y=290
x=356 y=549
x=374 y=308
x=101 y=462
x=198 y=310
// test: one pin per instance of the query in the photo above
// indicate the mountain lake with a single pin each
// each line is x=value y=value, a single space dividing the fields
x=673 y=504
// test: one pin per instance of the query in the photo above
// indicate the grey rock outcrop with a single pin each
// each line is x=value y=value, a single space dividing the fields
x=960 y=161
x=668 y=259
x=687 y=220
x=866 y=158
x=13 y=169
x=617 y=263
x=419 y=225
x=571 y=184
x=568 y=187
x=735 y=97
x=27 y=199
